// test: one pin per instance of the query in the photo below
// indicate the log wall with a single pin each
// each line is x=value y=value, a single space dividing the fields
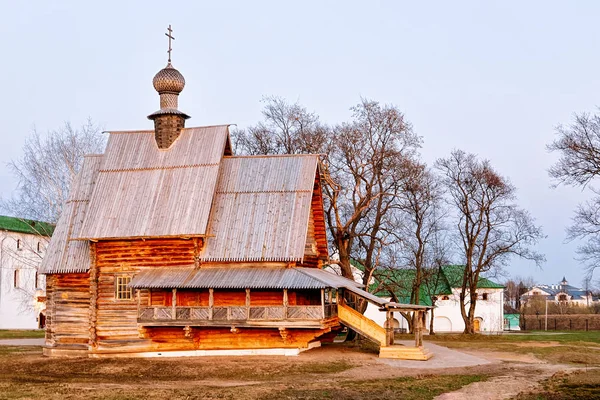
x=117 y=319
x=67 y=310
x=316 y=252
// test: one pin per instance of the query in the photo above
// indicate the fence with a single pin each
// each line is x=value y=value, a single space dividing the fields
x=564 y=322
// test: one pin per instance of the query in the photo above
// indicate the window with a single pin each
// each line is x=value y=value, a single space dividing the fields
x=445 y=298
x=16 y=278
x=562 y=297
x=37 y=280
x=122 y=292
x=39 y=247
x=484 y=296
x=19 y=245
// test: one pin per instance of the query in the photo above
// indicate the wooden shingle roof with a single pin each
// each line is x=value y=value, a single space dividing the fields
x=246 y=208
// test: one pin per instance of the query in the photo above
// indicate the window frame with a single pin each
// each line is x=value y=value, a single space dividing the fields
x=121 y=288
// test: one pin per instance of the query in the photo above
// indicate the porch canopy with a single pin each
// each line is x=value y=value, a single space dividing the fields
x=240 y=278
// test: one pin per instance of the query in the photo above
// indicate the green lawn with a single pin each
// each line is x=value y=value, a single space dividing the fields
x=21 y=334
x=579 y=348
x=568 y=337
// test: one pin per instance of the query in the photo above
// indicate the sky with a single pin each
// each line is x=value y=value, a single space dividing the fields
x=491 y=78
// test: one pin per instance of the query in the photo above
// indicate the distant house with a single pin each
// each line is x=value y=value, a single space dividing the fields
x=22 y=246
x=512 y=319
x=443 y=290
x=562 y=293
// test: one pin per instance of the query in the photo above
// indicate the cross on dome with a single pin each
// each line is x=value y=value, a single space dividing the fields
x=171 y=37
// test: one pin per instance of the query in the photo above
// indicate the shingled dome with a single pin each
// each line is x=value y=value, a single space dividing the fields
x=168 y=80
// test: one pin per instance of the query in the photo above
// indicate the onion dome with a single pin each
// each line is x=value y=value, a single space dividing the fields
x=168 y=80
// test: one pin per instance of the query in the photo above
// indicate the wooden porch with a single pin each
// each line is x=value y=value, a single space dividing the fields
x=248 y=315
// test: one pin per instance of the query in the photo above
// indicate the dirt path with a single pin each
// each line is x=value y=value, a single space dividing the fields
x=22 y=342
x=522 y=377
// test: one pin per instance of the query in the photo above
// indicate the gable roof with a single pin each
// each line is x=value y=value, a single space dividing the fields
x=261 y=208
x=454 y=275
x=246 y=208
x=143 y=191
x=441 y=282
x=22 y=225
x=65 y=255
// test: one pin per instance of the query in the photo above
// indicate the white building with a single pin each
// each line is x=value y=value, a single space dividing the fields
x=562 y=293
x=22 y=245
x=489 y=310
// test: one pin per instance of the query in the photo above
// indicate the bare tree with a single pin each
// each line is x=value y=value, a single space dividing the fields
x=419 y=216
x=489 y=226
x=364 y=175
x=360 y=166
x=286 y=129
x=579 y=164
x=47 y=168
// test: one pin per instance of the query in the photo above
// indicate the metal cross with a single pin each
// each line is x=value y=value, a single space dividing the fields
x=170 y=37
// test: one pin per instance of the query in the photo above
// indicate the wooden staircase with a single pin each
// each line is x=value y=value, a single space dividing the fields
x=371 y=330
x=361 y=324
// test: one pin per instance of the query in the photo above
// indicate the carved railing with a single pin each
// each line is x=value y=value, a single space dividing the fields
x=236 y=313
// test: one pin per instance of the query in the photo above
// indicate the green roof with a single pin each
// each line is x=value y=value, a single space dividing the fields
x=454 y=275
x=400 y=281
x=22 y=225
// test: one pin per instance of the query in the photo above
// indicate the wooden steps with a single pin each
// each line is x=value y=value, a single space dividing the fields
x=361 y=324
x=401 y=352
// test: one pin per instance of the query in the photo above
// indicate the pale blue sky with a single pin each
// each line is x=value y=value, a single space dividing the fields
x=493 y=78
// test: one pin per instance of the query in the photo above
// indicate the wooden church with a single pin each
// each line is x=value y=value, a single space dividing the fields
x=171 y=245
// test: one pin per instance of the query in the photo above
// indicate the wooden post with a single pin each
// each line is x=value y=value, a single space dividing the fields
x=389 y=331
x=211 y=303
x=418 y=329
x=174 y=304
x=323 y=303
x=149 y=297
x=247 y=303
x=285 y=303
x=137 y=294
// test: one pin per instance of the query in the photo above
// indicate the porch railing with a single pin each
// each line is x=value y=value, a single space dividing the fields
x=237 y=313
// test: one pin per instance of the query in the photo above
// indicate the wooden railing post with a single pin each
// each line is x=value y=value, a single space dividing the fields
x=323 y=303
x=137 y=294
x=285 y=303
x=211 y=303
x=247 y=303
x=174 y=305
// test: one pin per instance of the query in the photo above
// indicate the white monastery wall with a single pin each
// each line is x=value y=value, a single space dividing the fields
x=447 y=317
x=20 y=257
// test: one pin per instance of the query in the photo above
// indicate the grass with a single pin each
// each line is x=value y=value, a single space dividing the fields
x=21 y=334
x=570 y=337
x=406 y=388
x=24 y=373
x=583 y=385
x=579 y=348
